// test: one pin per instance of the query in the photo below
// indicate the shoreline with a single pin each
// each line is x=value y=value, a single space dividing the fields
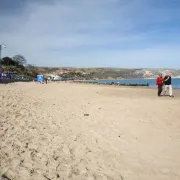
x=118 y=85
x=7 y=81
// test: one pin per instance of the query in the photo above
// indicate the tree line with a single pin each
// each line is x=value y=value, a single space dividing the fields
x=18 y=65
x=16 y=60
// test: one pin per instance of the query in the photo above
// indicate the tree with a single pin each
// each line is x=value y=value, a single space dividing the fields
x=19 y=59
x=7 y=61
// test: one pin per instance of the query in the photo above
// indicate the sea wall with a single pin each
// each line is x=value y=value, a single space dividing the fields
x=113 y=83
x=6 y=81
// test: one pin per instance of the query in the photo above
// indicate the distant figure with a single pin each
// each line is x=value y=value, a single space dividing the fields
x=168 y=85
x=46 y=80
x=159 y=83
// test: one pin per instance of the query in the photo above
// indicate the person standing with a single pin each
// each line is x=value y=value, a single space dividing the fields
x=159 y=83
x=168 y=85
x=46 y=80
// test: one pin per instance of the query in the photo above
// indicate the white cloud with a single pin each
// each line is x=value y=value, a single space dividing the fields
x=74 y=33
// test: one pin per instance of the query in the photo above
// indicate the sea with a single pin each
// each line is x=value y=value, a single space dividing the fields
x=151 y=82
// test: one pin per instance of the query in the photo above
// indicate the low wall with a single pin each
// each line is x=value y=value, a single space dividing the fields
x=6 y=81
x=118 y=84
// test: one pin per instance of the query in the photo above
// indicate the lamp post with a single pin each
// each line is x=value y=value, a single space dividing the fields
x=1 y=46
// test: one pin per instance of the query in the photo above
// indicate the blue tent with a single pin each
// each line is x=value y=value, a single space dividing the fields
x=40 y=78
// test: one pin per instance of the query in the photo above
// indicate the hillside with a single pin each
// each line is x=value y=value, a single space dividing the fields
x=107 y=73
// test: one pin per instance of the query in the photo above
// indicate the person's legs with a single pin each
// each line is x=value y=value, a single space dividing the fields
x=170 y=90
x=159 y=90
x=165 y=90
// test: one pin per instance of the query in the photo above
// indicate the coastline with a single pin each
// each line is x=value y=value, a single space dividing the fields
x=93 y=82
x=117 y=85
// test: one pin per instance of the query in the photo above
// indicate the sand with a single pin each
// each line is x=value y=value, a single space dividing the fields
x=88 y=132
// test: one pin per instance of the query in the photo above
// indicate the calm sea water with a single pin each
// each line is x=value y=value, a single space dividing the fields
x=152 y=82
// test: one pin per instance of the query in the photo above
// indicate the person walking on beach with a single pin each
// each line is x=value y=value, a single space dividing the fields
x=159 y=83
x=46 y=80
x=168 y=85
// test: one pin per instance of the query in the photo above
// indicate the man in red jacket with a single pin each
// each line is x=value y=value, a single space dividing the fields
x=159 y=83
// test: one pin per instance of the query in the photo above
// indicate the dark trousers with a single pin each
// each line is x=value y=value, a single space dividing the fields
x=160 y=88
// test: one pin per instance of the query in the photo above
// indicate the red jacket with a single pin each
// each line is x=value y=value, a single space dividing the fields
x=159 y=81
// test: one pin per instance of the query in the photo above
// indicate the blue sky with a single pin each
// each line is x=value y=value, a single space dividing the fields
x=92 y=33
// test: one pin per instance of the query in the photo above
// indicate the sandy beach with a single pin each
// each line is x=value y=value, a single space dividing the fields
x=70 y=131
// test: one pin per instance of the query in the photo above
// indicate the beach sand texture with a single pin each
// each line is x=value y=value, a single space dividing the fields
x=88 y=132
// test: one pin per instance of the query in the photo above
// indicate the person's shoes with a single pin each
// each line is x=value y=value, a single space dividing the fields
x=171 y=96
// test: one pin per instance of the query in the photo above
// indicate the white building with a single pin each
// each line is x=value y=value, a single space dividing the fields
x=54 y=77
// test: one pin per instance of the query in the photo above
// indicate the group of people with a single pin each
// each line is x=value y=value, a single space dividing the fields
x=166 y=82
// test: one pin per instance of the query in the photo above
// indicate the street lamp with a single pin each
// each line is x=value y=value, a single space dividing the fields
x=1 y=47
